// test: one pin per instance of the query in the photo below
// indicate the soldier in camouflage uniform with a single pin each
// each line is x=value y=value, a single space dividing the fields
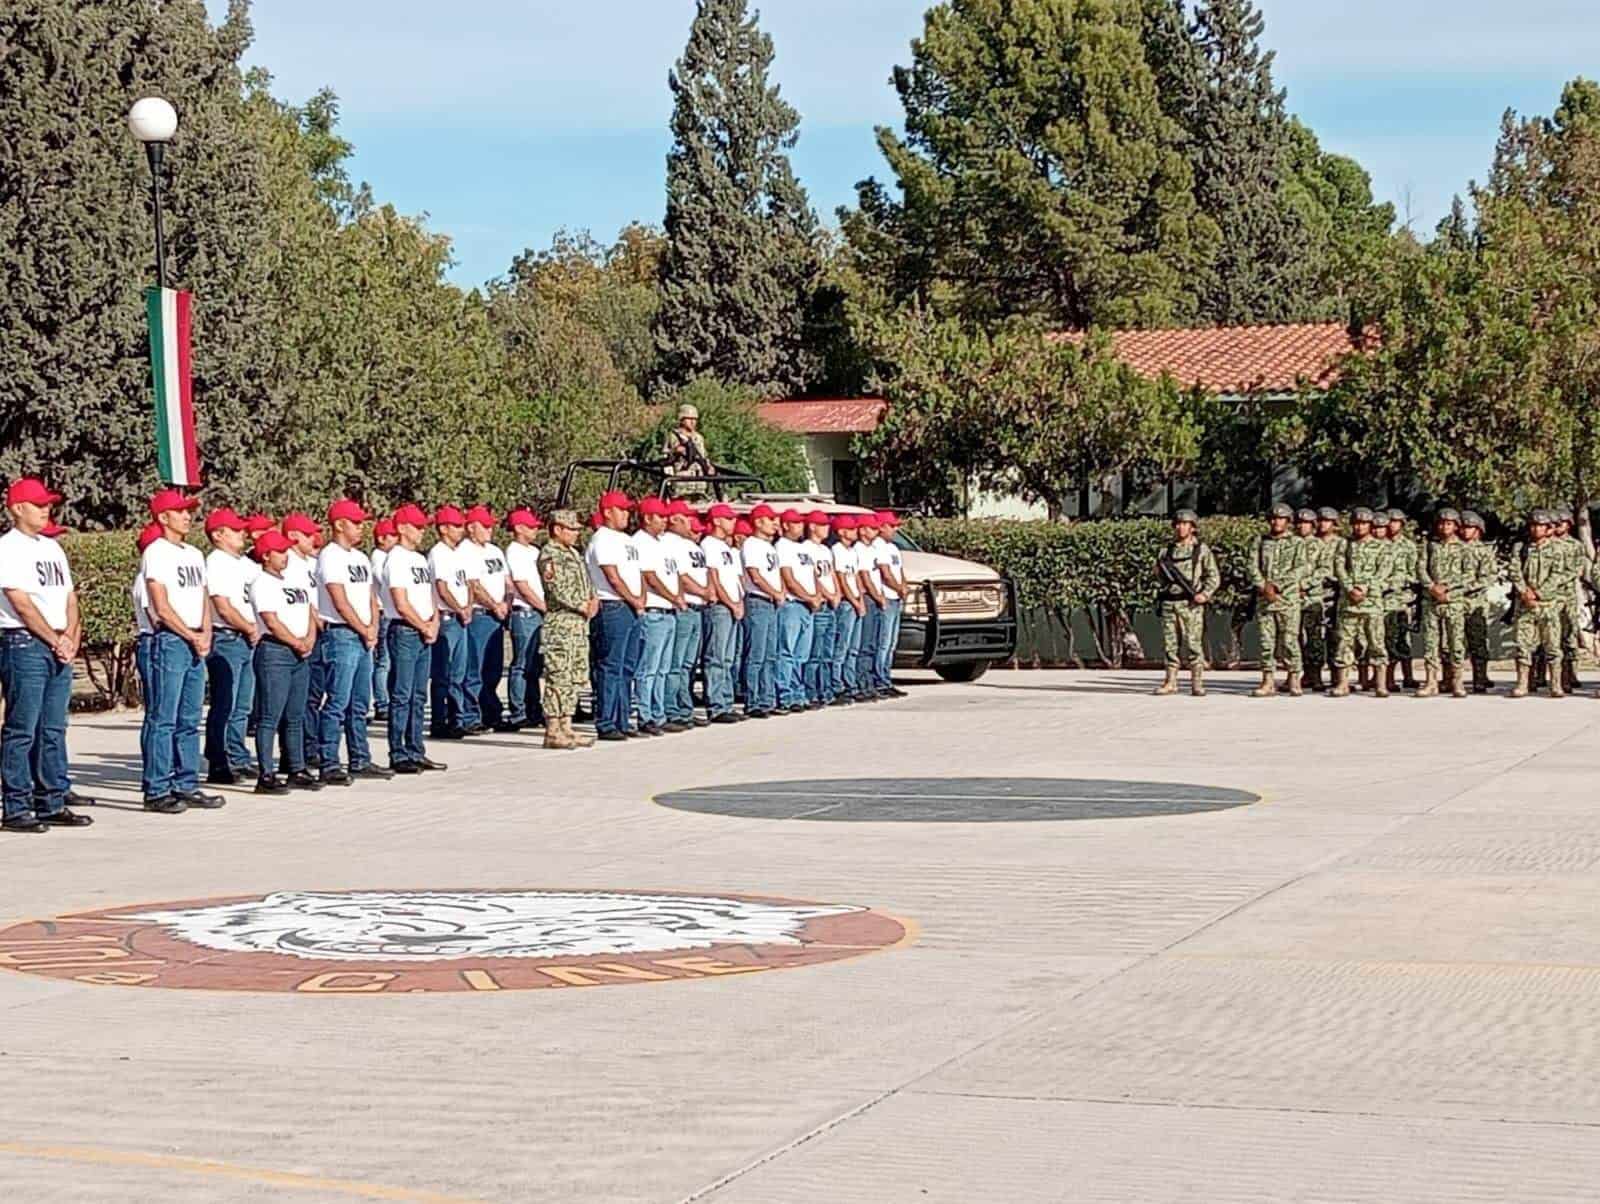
x=572 y=602
x=1322 y=540
x=1577 y=569
x=1538 y=571
x=1186 y=579
x=1362 y=570
x=1398 y=600
x=1485 y=571
x=1445 y=571
x=1278 y=570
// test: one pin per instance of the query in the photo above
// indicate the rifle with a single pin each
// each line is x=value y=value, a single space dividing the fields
x=689 y=454
x=1167 y=571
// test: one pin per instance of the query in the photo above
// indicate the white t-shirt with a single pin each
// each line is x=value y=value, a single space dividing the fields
x=796 y=557
x=182 y=570
x=407 y=573
x=822 y=560
x=286 y=597
x=885 y=552
x=229 y=577
x=487 y=563
x=141 y=604
x=762 y=558
x=617 y=549
x=378 y=557
x=867 y=560
x=302 y=570
x=723 y=559
x=351 y=569
x=34 y=565
x=522 y=564
x=844 y=568
x=449 y=566
x=691 y=562
x=655 y=556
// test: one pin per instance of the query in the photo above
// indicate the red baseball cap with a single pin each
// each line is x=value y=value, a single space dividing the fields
x=818 y=517
x=412 y=515
x=481 y=514
x=678 y=508
x=167 y=499
x=791 y=516
x=272 y=541
x=722 y=510
x=449 y=516
x=148 y=535
x=653 y=505
x=615 y=500
x=31 y=490
x=257 y=523
x=695 y=525
x=52 y=530
x=300 y=524
x=763 y=511
x=384 y=526
x=886 y=518
x=596 y=520
x=844 y=522
x=224 y=518
x=347 y=509
x=743 y=527
x=869 y=520
x=523 y=518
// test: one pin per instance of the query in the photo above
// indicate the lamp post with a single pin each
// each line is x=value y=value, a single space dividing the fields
x=154 y=122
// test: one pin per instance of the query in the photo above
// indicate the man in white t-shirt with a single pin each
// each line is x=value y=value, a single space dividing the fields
x=453 y=596
x=892 y=573
x=180 y=605
x=525 y=708
x=816 y=666
x=40 y=633
x=231 y=664
x=412 y=605
x=305 y=540
x=347 y=612
x=842 y=672
x=682 y=546
x=796 y=619
x=488 y=583
x=663 y=599
x=875 y=598
x=764 y=596
x=723 y=614
x=613 y=561
x=144 y=626
x=384 y=537
x=286 y=627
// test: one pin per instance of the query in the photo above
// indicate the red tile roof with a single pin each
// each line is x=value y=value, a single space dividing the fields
x=824 y=417
x=1235 y=359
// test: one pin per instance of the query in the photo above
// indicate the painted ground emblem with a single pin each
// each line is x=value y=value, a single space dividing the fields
x=395 y=942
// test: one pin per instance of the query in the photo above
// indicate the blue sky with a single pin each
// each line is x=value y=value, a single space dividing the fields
x=505 y=120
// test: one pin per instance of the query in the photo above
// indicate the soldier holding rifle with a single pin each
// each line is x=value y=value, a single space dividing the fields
x=1187 y=577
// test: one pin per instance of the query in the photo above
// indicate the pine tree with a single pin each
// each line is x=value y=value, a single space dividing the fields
x=741 y=260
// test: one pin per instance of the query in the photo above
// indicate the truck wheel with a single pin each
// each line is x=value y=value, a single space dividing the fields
x=962 y=670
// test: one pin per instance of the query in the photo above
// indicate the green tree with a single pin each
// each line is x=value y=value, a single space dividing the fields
x=736 y=435
x=741 y=262
x=1038 y=174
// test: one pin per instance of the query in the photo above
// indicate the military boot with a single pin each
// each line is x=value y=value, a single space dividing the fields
x=1480 y=676
x=1389 y=671
x=1430 y=684
x=1311 y=679
x=1524 y=671
x=1556 y=690
x=1569 y=677
x=1169 y=683
x=1381 y=682
x=555 y=736
x=579 y=739
x=1197 y=680
x=1447 y=678
x=1268 y=687
x=1341 y=684
x=1364 y=676
x=1458 y=681
x=1291 y=684
x=1407 y=675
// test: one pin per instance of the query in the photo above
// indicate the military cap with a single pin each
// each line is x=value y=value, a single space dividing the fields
x=1305 y=516
x=688 y=411
x=566 y=518
x=1329 y=513
x=1561 y=514
x=1282 y=511
x=1540 y=518
x=1185 y=516
x=1449 y=515
x=1469 y=518
x=1362 y=515
x=1397 y=516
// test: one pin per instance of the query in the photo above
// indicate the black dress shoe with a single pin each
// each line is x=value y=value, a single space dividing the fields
x=201 y=801
x=476 y=729
x=448 y=733
x=404 y=767
x=433 y=766
x=374 y=771
x=758 y=714
x=725 y=717
x=508 y=729
x=897 y=692
x=272 y=785
x=65 y=818
x=841 y=701
x=24 y=823
x=167 y=804
x=380 y=715
x=303 y=779
x=611 y=736
x=222 y=777
x=335 y=777
x=246 y=770
x=74 y=799
x=675 y=726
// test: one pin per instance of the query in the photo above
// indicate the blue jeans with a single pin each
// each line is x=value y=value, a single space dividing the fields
x=720 y=635
x=169 y=741
x=380 y=665
x=871 y=624
x=817 y=670
x=888 y=638
x=846 y=630
x=527 y=667
x=448 y=677
x=794 y=650
x=347 y=676
x=410 y=662
x=760 y=667
x=33 y=743
x=282 y=680
x=141 y=666
x=656 y=630
x=486 y=661
x=316 y=695
x=231 y=668
x=618 y=629
x=686 y=640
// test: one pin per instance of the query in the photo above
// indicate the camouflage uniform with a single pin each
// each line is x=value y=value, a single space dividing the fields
x=1318 y=603
x=686 y=453
x=1577 y=561
x=1542 y=567
x=1449 y=563
x=1485 y=571
x=1280 y=560
x=567 y=591
x=1398 y=598
x=1182 y=621
x=1363 y=564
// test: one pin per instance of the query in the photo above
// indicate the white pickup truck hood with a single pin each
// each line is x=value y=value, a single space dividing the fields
x=929 y=566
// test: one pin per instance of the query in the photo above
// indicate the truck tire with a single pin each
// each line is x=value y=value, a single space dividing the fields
x=962 y=671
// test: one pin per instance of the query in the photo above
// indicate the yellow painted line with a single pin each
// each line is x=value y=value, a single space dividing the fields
x=90 y=1155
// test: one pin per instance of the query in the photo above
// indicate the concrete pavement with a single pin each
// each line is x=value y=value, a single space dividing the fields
x=1380 y=983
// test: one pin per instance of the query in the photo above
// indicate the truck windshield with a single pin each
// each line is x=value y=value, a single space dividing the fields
x=905 y=543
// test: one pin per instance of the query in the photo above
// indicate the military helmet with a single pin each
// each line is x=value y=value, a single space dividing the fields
x=1328 y=513
x=1540 y=518
x=1561 y=514
x=1305 y=516
x=1447 y=515
x=688 y=411
x=1186 y=516
x=1469 y=518
x=1282 y=510
x=1397 y=516
x=1380 y=516
x=1362 y=515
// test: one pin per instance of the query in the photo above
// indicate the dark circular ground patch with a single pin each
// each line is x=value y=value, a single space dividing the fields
x=955 y=800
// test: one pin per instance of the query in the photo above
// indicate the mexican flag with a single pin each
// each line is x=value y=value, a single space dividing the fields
x=170 y=365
